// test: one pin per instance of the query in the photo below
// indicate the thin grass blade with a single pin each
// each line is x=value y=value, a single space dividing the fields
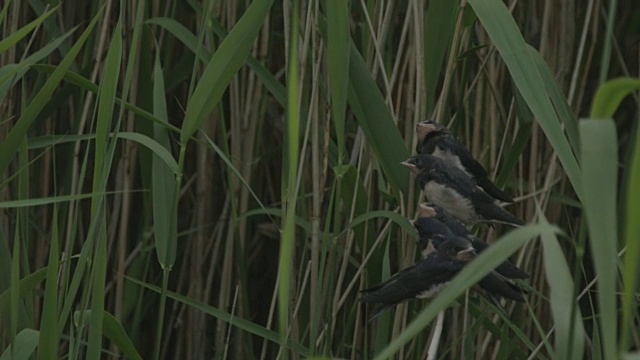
x=49 y=337
x=10 y=145
x=102 y=160
x=17 y=35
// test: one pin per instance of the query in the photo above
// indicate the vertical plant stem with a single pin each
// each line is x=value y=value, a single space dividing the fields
x=292 y=156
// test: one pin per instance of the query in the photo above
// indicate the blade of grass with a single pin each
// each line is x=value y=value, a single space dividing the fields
x=10 y=145
x=376 y=121
x=439 y=28
x=338 y=40
x=161 y=151
x=569 y=332
x=236 y=321
x=610 y=95
x=191 y=42
x=102 y=159
x=605 y=103
x=17 y=35
x=15 y=72
x=49 y=337
x=224 y=64
x=289 y=190
x=23 y=347
x=599 y=158
x=3 y=13
x=86 y=84
x=163 y=183
x=632 y=239
x=114 y=331
x=25 y=287
x=515 y=52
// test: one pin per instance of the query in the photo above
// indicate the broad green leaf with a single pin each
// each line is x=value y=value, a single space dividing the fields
x=559 y=100
x=438 y=31
x=224 y=64
x=569 y=331
x=163 y=181
x=376 y=121
x=610 y=95
x=338 y=41
x=631 y=236
x=599 y=158
x=517 y=55
x=114 y=331
x=191 y=42
x=27 y=286
x=23 y=347
x=474 y=272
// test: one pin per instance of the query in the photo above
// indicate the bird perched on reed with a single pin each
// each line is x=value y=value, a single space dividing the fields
x=453 y=190
x=423 y=279
x=437 y=140
x=433 y=220
x=495 y=284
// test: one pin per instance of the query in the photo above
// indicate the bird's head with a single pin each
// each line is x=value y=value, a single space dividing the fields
x=457 y=248
x=424 y=128
x=418 y=163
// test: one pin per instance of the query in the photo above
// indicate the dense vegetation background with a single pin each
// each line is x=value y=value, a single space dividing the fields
x=219 y=179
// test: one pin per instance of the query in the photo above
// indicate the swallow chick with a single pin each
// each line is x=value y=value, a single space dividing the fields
x=423 y=279
x=437 y=140
x=433 y=220
x=496 y=284
x=453 y=190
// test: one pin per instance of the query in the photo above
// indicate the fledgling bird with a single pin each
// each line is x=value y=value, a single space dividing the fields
x=495 y=284
x=434 y=220
x=437 y=140
x=453 y=190
x=423 y=279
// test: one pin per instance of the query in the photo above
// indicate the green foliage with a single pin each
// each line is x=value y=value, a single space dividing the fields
x=221 y=179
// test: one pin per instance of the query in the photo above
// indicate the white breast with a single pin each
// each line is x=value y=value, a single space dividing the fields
x=451 y=201
x=431 y=292
x=450 y=158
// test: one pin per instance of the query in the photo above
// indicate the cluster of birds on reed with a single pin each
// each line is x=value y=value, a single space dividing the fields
x=459 y=194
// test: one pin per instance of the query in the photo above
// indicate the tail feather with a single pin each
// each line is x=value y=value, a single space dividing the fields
x=490 y=188
x=495 y=285
x=493 y=212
